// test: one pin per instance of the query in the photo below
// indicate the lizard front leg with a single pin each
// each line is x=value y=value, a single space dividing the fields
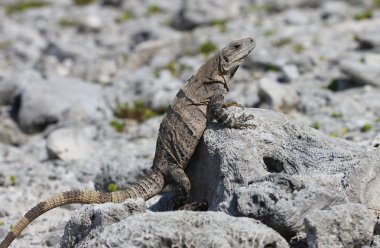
x=219 y=113
x=181 y=184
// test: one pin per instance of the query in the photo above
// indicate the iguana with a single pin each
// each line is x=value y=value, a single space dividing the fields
x=200 y=100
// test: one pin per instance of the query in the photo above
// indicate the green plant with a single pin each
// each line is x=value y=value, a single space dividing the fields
x=139 y=112
x=258 y=23
x=153 y=9
x=376 y=3
x=269 y=32
x=4 y=44
x=69 y=23
x=271 y=67
x=172 y=67
x=221 y=24
x=208 y=47
x=317 y=125
x=112 y=187
x=83 y=2
x=282 y=42
x=298 y=48
x=345 y=130
x=127 y=15
x=21 y=6
x=364 y=15
x=119 y=126
x=377 y=119
x=12 y=179
x=336 y=115
x=334 y=85
x=366 y=127
x=2 y=223
x=333 y=135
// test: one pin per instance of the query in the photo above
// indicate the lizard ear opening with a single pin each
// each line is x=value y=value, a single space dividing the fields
x=225 y=58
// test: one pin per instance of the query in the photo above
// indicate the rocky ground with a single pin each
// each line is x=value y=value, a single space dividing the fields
x=84 y=83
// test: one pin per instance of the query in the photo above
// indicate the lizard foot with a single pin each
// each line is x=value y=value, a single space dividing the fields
x=195 y=206
x=240 y=121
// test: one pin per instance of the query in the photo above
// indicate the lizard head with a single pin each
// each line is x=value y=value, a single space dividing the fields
x=232 y=55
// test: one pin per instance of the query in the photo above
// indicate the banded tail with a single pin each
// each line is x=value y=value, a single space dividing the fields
x=146 y=188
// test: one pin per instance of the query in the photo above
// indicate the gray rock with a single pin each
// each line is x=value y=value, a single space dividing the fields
x=361 y=73
x=44 y=101
x=279 y=97
x=85 y=222
x=278 y=5
x=346 y=225
x=124 y=168
x=10 y=133
x=369 y=40
x=7 y=91
x=68 y=144
x=376 y=241
x=296 y=17
x=169 y=86
x=375 y=142
x=290 y=72
x=334 y=9
x=198 y=12
x=184 y=229
x=281 y=202
x=312 y=100
x=235 y=157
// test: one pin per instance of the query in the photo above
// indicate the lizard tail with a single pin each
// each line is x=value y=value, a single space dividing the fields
x=146 y=188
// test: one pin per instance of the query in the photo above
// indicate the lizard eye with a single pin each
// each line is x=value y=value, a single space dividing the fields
x=237 y=46
x=225 y=58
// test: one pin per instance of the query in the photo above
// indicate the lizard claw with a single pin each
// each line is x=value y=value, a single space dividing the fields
x=242 y=121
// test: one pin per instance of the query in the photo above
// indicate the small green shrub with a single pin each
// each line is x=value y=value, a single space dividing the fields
x=69 y=23
x=83 y=2
x=221 y=24
x=334 y=85
x=139 y=112
x=208 y=47
x=345 y=130
x=4 y=44
x=119 y=126
x=367 y=14
x=317 y=125
x=376 y=3
x=112 y=187
x=271 y=67
x=367 y=127
x=154 y=9
x=172 y=67
x=336 y=115
x=333 y=135
x=269 y=32
x=21 y=6
x=298 y=48
x=127 y=15
x=282 y=42
x=12 y=179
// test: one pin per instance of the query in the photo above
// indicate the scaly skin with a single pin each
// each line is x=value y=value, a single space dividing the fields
x=200 y=100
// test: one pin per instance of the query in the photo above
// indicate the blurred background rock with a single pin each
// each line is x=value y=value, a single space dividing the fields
x=98 y=75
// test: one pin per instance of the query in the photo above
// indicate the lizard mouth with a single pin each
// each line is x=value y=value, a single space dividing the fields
x=244 y=52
